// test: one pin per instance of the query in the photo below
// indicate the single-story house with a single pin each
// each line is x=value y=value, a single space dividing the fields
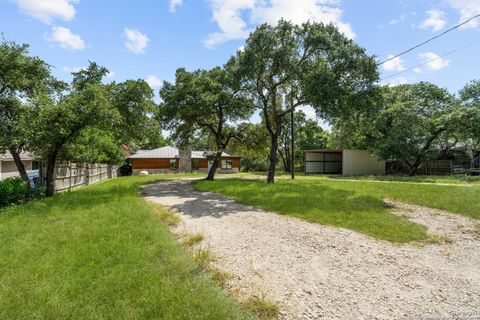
x=8 y=169
x=172 y=160
x=344 y=162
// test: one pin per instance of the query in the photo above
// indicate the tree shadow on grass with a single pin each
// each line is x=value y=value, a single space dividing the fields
x=182 y=197
x=312 y=202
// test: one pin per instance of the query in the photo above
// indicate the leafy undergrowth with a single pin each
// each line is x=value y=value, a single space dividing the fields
x=322 y=202
x=102 y=252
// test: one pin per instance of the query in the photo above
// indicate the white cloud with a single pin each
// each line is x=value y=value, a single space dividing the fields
x=395 y=81
x=174 y=4
x=227 y=14
x=153 y=81
x=110 y=74
x=231 y=16
x=394 y=64
x=72 y=69
x=66 y=39
x=136 y=41
x=467 y=9
x=47 y=10
x=397 y=21
x=436 y=20
x=433 y=61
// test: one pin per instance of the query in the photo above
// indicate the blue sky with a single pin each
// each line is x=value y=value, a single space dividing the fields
x=151 y=39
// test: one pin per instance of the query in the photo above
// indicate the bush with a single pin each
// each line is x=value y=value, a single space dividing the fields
x=16 y=191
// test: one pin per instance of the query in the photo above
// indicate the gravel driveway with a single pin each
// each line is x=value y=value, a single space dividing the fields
x=314 y=271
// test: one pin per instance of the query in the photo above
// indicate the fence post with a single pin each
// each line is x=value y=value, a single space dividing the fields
x=87 y=175
x=70 y=176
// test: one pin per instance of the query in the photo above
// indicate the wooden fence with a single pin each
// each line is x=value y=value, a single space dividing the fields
x=69 y=175
x=430 y=167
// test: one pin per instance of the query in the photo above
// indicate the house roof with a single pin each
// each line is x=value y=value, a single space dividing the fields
x=7 y=156
x=169 y=152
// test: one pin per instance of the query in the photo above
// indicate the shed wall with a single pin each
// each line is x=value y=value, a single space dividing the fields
x=361 y=162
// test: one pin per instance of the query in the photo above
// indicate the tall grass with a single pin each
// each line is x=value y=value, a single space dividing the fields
x=101 y=252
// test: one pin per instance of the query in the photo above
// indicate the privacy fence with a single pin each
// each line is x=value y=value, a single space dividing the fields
x=69 y=175
x=431 y=167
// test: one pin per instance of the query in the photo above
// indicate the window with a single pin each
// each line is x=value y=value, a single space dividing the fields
x=226 y=164
x=35 y=165
x=173 y=164
x=195 y=164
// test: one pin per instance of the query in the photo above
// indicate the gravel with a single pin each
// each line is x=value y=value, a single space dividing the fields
x=314 y=271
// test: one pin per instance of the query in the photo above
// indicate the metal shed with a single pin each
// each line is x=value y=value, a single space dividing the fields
x=344 y=162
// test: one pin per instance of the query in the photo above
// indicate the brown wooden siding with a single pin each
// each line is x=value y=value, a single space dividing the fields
x=203 y=164
x=235 y=161
x=165 y=163
x=151 y=163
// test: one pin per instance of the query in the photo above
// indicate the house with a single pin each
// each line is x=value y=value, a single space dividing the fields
x=8 y=169
x=344 y=162
x=172 y=160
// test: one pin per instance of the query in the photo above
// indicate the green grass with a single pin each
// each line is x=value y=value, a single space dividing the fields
x=262 y=306
x=356 y=205
x=453 y=179
x=322 y=202
x=101 y=252
x=463 y=199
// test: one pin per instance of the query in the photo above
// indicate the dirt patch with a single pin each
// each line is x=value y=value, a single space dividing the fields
x=319 y=272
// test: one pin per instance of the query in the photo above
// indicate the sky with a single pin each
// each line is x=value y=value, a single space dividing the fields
x=150 y=39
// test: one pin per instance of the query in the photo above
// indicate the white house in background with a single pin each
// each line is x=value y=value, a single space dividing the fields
x=8 y=169
x=344 y=162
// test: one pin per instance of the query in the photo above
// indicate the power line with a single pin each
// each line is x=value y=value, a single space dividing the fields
x=436 y=58
x=429 y=40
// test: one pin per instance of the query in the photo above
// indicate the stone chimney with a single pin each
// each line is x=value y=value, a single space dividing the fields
x=185 y=159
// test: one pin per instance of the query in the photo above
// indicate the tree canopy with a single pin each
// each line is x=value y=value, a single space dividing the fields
x=287 y=66
x=23 y=79
x=410 y=124
x=210 y=102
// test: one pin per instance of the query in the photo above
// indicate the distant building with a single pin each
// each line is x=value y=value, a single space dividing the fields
x=344 y=162
x=172 y=160
x=8 y=169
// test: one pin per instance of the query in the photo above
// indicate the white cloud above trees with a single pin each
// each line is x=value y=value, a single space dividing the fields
x=153 y=81
x=236 y=18
x=433 y=61
x=394 y=64
x=66 y=39
x=135 y=41
x=47 y=10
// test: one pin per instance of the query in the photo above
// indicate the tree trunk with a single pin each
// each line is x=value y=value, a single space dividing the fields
x=413 y=168
x=272 y=159
x=213 y=168
x=284 y=160
x=50 y=183
x=20 y=166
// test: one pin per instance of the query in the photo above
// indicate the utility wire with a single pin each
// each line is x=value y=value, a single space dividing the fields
x=436 y=58
x=429 y=40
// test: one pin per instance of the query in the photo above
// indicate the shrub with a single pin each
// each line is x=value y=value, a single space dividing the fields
x=16 y=191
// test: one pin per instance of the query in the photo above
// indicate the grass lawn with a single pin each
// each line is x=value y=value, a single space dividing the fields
x=101 y=252
x=356 y=205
